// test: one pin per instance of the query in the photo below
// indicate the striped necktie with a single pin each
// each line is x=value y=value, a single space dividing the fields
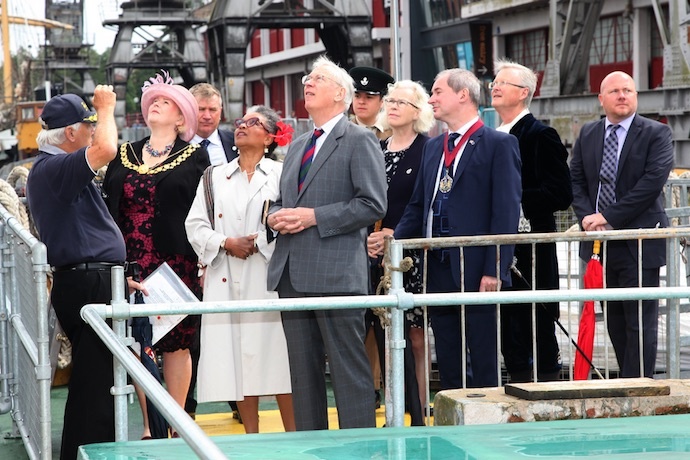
x=609 y=168
x=308 y=157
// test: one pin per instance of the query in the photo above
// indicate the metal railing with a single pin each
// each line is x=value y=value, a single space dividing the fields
x=25 y=369
x=24 y=355
x=397 y=301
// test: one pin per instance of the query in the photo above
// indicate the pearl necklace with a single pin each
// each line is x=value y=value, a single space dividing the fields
x=158 y=153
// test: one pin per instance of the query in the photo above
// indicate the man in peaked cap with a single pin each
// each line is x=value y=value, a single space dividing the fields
x=83 y=244
x=370 y=86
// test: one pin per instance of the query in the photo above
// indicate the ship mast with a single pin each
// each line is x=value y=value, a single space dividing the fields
x=5 y=21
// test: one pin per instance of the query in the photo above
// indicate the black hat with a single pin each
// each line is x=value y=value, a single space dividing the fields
x=66 y=110
x=371 y=80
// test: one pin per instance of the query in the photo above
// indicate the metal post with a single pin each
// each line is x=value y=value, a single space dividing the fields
x=119 y=389
x=43 y=368
x=395 y=38
x=397 y=343
x=673 y=311
x=5 y=368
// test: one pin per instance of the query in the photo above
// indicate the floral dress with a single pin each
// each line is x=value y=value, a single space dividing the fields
x=136 y=221
x=412 y=279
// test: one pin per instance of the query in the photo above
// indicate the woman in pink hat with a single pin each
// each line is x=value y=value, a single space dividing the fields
x=149 y=188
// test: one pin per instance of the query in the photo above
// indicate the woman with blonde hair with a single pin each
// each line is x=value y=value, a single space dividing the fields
x=408 y=113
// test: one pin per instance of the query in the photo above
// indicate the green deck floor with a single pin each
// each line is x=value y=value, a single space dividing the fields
x=660 y=437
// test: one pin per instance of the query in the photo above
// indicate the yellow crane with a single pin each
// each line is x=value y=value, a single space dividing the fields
x=5 y=21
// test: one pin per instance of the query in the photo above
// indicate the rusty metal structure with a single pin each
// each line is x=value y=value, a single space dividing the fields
x=65 y=49
x=167 y=29
x=344 y=26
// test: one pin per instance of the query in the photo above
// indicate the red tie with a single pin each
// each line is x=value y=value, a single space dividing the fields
x=308 y=157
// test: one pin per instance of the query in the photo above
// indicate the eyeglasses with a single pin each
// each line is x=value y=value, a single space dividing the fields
x=398 y=102
x=623 y=91
x=318 y=78
x=495 y=84
x=249 y=122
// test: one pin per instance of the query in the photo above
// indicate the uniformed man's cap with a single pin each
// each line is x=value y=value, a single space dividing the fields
x=66 y=110
x=370 y=80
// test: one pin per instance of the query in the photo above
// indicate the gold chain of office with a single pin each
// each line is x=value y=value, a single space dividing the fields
x=143 y=168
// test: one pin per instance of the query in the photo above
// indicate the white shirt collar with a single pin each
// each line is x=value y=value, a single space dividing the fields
x=214 y=138
x=330 y=124
x=625 y=123
x=506 y=127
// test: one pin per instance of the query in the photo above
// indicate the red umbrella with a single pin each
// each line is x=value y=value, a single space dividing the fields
x=593 y=279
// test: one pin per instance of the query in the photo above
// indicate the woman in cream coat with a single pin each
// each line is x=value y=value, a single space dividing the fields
x=243 y=355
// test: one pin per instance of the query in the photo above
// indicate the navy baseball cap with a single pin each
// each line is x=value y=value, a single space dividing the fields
x=371 y=80
x=66 y=110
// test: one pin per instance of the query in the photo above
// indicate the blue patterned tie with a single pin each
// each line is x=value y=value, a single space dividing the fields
x=452 y=137
x=609 y=167
x=205 y=143
x=308 y=157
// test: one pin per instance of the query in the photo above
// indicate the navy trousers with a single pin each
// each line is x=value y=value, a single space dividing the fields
x=482 y=367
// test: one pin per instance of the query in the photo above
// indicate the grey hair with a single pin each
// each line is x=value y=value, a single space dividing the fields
x=54 y=136
x=526 y=76
x=420 y=98
x=271 y=121
x=459 y=79
x=205 y=91
x=340 y=76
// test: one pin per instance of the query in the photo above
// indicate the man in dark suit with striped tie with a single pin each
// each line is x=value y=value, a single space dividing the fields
x=619 y=167
x=332 y=188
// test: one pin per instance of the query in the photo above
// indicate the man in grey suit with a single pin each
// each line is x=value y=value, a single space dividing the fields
x=332 y=188
x=619 y=167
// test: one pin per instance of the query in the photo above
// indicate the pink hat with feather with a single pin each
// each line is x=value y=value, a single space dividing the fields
x=163 y=85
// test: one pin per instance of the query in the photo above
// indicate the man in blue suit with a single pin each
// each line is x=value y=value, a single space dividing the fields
x=626 y=194
x=468 y=186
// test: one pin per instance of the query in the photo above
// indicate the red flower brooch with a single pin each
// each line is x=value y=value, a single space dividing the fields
x=283 y=135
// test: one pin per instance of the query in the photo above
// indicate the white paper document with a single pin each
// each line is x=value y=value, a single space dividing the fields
x=164 y=286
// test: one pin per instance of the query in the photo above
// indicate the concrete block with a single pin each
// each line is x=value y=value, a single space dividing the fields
x=478 y=406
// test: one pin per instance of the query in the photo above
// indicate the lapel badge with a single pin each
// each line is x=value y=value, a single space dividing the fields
x=471 y=141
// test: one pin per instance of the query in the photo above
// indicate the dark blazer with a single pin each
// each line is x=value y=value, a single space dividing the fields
x=546 y=186
x=485 y=199
x=346 y=187
x=175 y=191
x=645 y=162
x=227 y=138
x=402 y=183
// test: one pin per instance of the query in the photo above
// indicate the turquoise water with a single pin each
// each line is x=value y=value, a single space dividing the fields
x=660 y=437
